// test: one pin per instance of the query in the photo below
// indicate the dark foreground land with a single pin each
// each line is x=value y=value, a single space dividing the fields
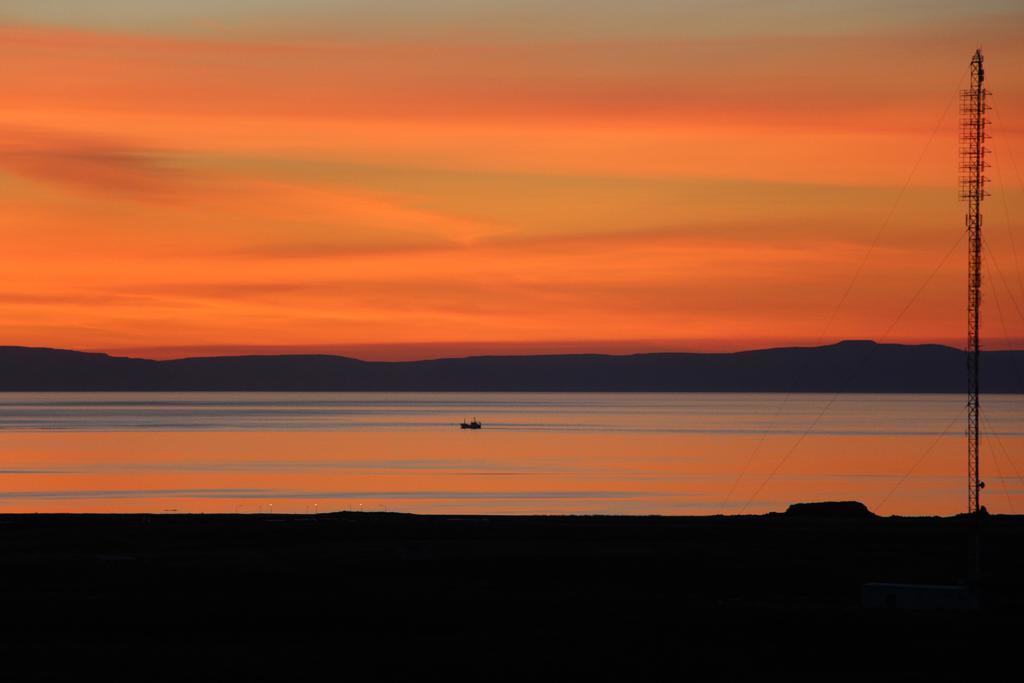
x=258 y=597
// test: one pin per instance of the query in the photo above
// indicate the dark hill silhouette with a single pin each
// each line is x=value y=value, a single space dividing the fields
x=842 y=508
x=853 y=366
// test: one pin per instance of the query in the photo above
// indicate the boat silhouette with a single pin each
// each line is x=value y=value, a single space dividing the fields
x=473 y=424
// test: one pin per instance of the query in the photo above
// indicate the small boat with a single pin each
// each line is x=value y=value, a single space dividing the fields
x=473 y=424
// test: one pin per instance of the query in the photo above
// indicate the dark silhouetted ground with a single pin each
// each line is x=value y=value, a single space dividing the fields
x=259 y=597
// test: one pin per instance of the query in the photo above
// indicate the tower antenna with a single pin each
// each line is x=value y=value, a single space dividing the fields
x=973 y=134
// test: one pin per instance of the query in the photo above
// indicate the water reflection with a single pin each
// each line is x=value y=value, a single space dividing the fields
x=537 y=453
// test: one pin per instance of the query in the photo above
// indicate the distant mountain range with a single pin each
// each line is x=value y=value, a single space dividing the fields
x=851 y=366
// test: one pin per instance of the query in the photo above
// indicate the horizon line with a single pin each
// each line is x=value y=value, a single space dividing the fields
x=425 y=351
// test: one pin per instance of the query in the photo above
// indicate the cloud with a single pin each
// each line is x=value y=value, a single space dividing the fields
x=272 y=494
x=93 y=164
x=328 y=250
x=765 y=80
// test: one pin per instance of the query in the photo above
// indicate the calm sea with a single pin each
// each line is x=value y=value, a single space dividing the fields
x=537 y=453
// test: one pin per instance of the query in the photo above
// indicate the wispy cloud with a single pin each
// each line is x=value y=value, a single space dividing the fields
x=94 y=164
x=272 y=494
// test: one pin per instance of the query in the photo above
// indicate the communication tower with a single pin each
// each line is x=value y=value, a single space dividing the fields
x=973 y=134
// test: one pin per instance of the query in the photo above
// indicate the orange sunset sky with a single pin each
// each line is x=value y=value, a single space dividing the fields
x=417 y=179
